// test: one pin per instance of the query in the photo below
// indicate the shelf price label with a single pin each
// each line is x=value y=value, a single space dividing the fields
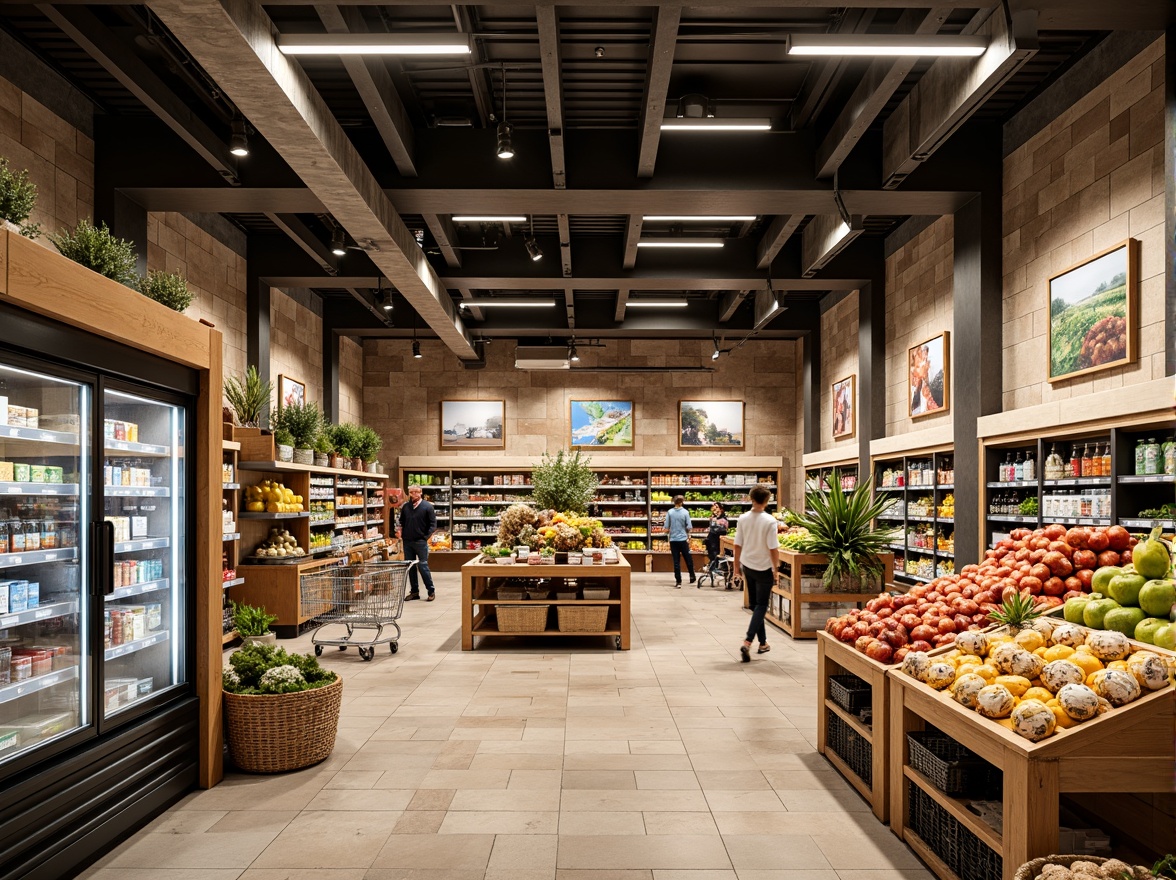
x=15 y=490
x=42 y=613
x=6 y=622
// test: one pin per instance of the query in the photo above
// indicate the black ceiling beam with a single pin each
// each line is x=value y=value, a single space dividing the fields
x=776 y=236
x=662 y=42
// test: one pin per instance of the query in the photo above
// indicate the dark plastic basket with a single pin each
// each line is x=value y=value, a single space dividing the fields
x=936 y=827
x=979 y=861
x=949 y=766
x=850 y=746
x=850 y=693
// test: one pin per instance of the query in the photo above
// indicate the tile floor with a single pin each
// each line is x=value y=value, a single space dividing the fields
x=671 y=761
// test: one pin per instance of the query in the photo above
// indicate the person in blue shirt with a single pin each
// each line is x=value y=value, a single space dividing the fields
x=678 y=531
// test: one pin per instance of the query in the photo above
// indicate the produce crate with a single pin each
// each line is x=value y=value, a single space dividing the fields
x=531 y=617
x=804 y=603
x=852 y=748
x=949 y=766
x=850 y=693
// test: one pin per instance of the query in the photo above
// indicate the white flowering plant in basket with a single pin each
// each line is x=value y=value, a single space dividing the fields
x=264 y=669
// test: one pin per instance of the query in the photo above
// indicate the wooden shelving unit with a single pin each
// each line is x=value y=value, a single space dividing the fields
x=790 y=617
x=927 y=472
x=231 y=542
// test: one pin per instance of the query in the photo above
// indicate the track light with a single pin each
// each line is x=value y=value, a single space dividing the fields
x=533 y=250
x=505 y=147
x=416 y=349
x=386 y=300
x=338 y=242
x=239 y=141
x=715 y=354
x=573 y=355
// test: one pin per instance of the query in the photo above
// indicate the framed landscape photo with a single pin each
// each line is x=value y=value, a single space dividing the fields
x=710 y=424
x=602 y=423
x=473 y=424
x=929 y=377
x=1092 y=314
x=844 y=405
x=290 y=391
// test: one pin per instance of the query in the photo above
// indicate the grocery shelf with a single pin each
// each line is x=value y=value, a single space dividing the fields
x=289 y=467
x=890 y=488
x=11 y=432
x=1079 y=481
x=41 y=612
x=321 y=522
x=1081 y=520
x=137 y=645
x=35 y=557
x=699 y=486
x=348 y=506
x=375 y=522
x=137 y=491
x=252 y=514
x=1135 y=523
x=137 y=589
x=919 y=518
x=1016 y=484
x=619 y=503
x=913 y=577
x=137 y=448
x=144 y=544
x=619 y=487
x=230 y=536
x=893 y=517
x=235 y=582
x=944 y=485
x=38 y=489
x=1148 y=478
x=37 y=683
x=230 y=486
x=1013 y=518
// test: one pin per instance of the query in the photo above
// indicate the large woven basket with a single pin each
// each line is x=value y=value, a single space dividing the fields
x=528 y=618
x=582 y=618
x=273 y=733
x=1032 y=868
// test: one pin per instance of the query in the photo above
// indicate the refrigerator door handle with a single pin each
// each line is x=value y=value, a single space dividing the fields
x=107 y=561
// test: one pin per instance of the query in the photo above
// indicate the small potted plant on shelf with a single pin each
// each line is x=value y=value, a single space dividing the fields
x=369 y=447
x=343 y=439
x=285 y=443
x=18 y=198
x=281 y=710
x=323 y=449
x=249 y=398
x=304 y=422
x=96 y=248
x=253 y=624
x=167 y=288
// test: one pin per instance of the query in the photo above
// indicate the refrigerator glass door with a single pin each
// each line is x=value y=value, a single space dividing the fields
x=144 y=494
x=44 y=479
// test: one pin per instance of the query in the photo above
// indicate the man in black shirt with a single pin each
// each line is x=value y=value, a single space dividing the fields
x=418 y=521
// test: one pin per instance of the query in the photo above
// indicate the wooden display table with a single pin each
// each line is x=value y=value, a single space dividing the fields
x=1127 y=749
x=791 y=619
x=837 y=658
x=480 y=581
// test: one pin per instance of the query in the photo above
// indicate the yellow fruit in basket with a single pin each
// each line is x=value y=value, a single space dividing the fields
x=1030 y=639
x=969 y=660
x=297 y=499
x=1087 y=662
x=1016 y=684
x=1058 y=652
x=1040 y=652
x=255 y=506
x=1118 y=664
x=995 y=639
x=1037 y=693
x=272 y=507
x=985 y=671
x=1060 y=716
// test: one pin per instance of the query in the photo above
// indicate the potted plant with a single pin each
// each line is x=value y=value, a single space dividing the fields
x=841 y=526
x=249 y=399
x=285 y=443
x=323 y=448
x=565 y=482
x=96 y=248
x=342 y=439
x=303 y=421
x=369 y=447
x=253 y=624
x=167 y=288
x=18 y=198
x=281 y=710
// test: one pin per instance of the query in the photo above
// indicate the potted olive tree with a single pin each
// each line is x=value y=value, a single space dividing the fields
x=18 y=198
x=369 y=448
x=303 y=421
x=323 y=448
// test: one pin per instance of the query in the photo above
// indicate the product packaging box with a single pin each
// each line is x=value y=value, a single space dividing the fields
x=6 y=471
x=127 y=688
x=9 y=739
x=16 y=416
x=33 y=589
x=5 y=665
x=54 y=475
x=21 y=473
x=38 y=726
x=3 y=409
x=154 y=615
x=37 y=473
x=138 y=527
x=18 y=596
x=59 y=422
x=4 y=596
x=138 y=621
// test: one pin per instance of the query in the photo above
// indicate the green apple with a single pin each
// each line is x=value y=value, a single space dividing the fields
x=1145 y=630
x=1073 y=608
x=1124 y=620
x=1096 y=610
x=1165 y=637
x=1102 y=578
x=1124 y=588
x=1158 y=596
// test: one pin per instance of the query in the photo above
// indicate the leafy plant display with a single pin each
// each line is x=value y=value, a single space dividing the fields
x=564 y=482
x=323 y=444
x=283 y=437
x=250 y=620
x=264 y=669
x=18 y=198
x=96 y=248
x=840 y=525
x=303 y=421
x=367 y=444
x=167 y=288
x=345 y=438
x=249 y=398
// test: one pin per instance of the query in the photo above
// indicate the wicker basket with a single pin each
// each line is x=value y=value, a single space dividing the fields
x=273 y=733
x=597 y=593
x=527 y=618
x=582 y=618
x=1032 y=868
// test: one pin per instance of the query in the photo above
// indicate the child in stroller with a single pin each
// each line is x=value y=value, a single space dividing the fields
x=717 y=528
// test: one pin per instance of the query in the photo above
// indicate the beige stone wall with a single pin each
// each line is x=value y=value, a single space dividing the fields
x=59 y=158
x=402 y=397
x=296 y=340
x=350 y=381
x=215 y=273
x=1091 y=179
x=918 y=307
x=839 y=360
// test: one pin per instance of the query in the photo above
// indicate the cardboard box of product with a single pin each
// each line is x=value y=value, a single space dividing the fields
x=138 y=527
x=9 y=739
x=32 y=417
x=6 y=471
x=33 y=594
x=59 y=422
x=21 y=473
x=4 y=596
x=54 y=475
x=16 y=416
x=145 y=687
x=18 y=596
x=36 y=473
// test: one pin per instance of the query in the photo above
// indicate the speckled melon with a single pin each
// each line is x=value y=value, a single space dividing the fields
x=940 y=675
x=995 y=701
x=973 y=642
x=1043 y=625
x=1033 y=720
x=966 y=689
x=1078 y=701
x=1025 y=664
x=1058 y=673
x=1149 y=670
x=1069 y=634
x=1118 y=687
x=916 y=664
x=1108 y=644
x=999 y=656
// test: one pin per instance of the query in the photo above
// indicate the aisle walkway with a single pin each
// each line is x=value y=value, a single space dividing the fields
x=671 y=761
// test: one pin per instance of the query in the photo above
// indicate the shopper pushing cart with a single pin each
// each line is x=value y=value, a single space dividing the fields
x=364 y=596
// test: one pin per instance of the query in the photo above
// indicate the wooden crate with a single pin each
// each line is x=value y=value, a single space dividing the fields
x=799 y=598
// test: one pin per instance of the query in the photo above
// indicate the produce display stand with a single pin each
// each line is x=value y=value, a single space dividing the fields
x=480 y=580
x=798 y=600
x=1129 y=748
x=834 y=657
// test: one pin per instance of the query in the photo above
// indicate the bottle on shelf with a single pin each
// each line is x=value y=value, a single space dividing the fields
x=1106 y=459
x=1030 y=471
x=1019 y=468
x=1075 y=462
x=1087 y=462
x=1054 y=466
x=1151 y=457
x=1140 y=456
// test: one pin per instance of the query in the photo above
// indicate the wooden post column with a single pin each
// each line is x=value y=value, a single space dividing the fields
x=871 y=423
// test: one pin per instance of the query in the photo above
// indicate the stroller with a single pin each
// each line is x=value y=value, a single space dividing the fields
x=720 y=571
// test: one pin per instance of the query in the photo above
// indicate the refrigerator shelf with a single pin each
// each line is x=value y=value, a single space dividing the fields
x=138 y=589
x=137 y=491
x=145 y=544
x=60 y=437
x=13 y=560
x=137 y=645
x=41 y=612
x=19 y=689
x=137 y=448
x=39 y=489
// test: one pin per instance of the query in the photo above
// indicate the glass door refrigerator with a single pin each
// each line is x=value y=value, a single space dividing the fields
x=98 y=712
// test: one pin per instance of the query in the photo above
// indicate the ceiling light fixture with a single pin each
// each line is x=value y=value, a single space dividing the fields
x=374 y=44
x=338 y=242
x=488 y=218
x=383 y=297
x=938 y=45
x=756 y=124
x=573 y=355
x=717 y=351
x=239 y=141
x=416 y=350
x=656 y=304
x=680 y=243
x=505 y=129
x=505 y=302
x=533 y=250
x=698 y=218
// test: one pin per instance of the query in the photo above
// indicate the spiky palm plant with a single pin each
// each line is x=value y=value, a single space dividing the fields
x=841 y=526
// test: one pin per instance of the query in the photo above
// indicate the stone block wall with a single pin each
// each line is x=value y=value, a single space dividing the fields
x=296 y=340
x=918 y=307
x=58 y=157
x=839 y=360
x=350 y=381
x=1091 y=179
x=402 y=397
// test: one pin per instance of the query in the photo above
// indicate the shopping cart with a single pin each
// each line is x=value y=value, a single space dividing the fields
x=362 y=596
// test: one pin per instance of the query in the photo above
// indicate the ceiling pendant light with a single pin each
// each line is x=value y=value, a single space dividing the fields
x=338 y=242
x=383 y=297
x=505 y=147
x=416 y=350
x=573 y=355
x=533 y=249
x=717 y=351
x=697 y=113
x=239 y=141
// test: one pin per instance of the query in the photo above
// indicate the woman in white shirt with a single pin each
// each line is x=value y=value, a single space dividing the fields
x=757 y=549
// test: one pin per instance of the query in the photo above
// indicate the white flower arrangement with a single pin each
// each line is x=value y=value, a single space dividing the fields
x=280 y=679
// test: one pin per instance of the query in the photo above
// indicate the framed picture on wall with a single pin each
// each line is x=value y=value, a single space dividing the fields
x=1092 y=313
x=844 y=406
x=929 y=377
x=290 y=391
x=602 y=423
x=473 y=424
x=710 y=424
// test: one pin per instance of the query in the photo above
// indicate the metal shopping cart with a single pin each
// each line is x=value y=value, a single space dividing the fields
x=361 y=596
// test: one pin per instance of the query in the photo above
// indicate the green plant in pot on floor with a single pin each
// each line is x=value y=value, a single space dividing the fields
x=253 y=624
